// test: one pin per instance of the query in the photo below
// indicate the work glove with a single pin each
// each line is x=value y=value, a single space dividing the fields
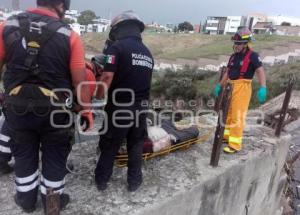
x=86 y=120
x=262 y=94
x=217 y=90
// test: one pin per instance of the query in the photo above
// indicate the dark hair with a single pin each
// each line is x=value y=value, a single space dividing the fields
x=41 y=3
x=48 y=2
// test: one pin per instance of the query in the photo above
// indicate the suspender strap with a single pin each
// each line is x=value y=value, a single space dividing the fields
x=246 y=62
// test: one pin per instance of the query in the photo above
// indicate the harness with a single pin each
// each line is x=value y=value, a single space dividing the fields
x=245 y=65
x=32 y=89
x=36 y=35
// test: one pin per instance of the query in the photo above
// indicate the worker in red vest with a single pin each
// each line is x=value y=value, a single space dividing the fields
x=242 y=66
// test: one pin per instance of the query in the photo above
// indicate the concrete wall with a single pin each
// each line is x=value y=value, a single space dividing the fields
x=251 y=187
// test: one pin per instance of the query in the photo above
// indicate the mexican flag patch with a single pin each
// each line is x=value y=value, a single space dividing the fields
x=110 y=59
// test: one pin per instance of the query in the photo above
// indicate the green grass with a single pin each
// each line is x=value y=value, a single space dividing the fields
x=283 y=70
x=221 y=45
x=190 y=46
x=277 y=77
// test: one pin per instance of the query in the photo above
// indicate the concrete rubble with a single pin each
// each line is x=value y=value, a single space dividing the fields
x=294 y=129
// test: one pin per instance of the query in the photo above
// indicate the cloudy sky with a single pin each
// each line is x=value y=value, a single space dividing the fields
x=175 y=11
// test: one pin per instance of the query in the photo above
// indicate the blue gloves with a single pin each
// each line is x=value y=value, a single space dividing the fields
x=262 y=94
x=217 y=90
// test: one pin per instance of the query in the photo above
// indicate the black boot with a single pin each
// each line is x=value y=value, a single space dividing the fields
x=101 y=185
x=25 y=209
x=64 y=201
x=5 y=168
x=134 y=186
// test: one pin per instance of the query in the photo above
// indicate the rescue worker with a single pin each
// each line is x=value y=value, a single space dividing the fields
x=5 y=151
x=128 y=67
x=242 y=66
x=41 y=54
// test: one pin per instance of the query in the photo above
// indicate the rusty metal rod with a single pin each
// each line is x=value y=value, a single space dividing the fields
x=219 y=134
x=285 y=106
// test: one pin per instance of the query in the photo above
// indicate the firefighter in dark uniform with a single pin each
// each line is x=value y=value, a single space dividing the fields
x=41 y=54
x=127 y=74
x=243 y=64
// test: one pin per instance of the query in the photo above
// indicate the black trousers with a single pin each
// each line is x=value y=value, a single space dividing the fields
x=31 y=134
x=123 y=123
x=5 y=151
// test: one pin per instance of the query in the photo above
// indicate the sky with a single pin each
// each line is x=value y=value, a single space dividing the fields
x=176 y=11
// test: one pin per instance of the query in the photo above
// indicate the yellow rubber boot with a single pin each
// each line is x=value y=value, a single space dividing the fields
x=229 y=150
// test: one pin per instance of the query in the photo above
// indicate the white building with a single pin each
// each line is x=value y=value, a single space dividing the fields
x=158 y=27
x=212 y=26
x=99 y=25
x=254 y=18
x=4 y=14
x=215 y=25
x=224 y=25
x=72 y=15
x=101 y=21
x=232 y=24
x=79 y=29
x=96 y=28
x=278 y=20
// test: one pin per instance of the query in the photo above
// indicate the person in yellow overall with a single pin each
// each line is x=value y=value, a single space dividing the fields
x=242 y=66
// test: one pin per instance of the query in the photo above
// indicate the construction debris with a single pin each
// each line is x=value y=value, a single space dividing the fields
x=272 y=120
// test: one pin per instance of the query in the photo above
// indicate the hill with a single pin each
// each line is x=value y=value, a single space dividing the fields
x=190 y=46
x=190 y=83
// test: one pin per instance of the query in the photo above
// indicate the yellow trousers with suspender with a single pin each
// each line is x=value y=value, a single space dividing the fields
x=241 y=95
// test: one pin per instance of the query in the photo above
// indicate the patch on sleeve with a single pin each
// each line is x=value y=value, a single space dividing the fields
x=259 y=59
x=110 y=59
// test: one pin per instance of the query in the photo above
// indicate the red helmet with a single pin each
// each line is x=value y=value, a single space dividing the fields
x=243 y=35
